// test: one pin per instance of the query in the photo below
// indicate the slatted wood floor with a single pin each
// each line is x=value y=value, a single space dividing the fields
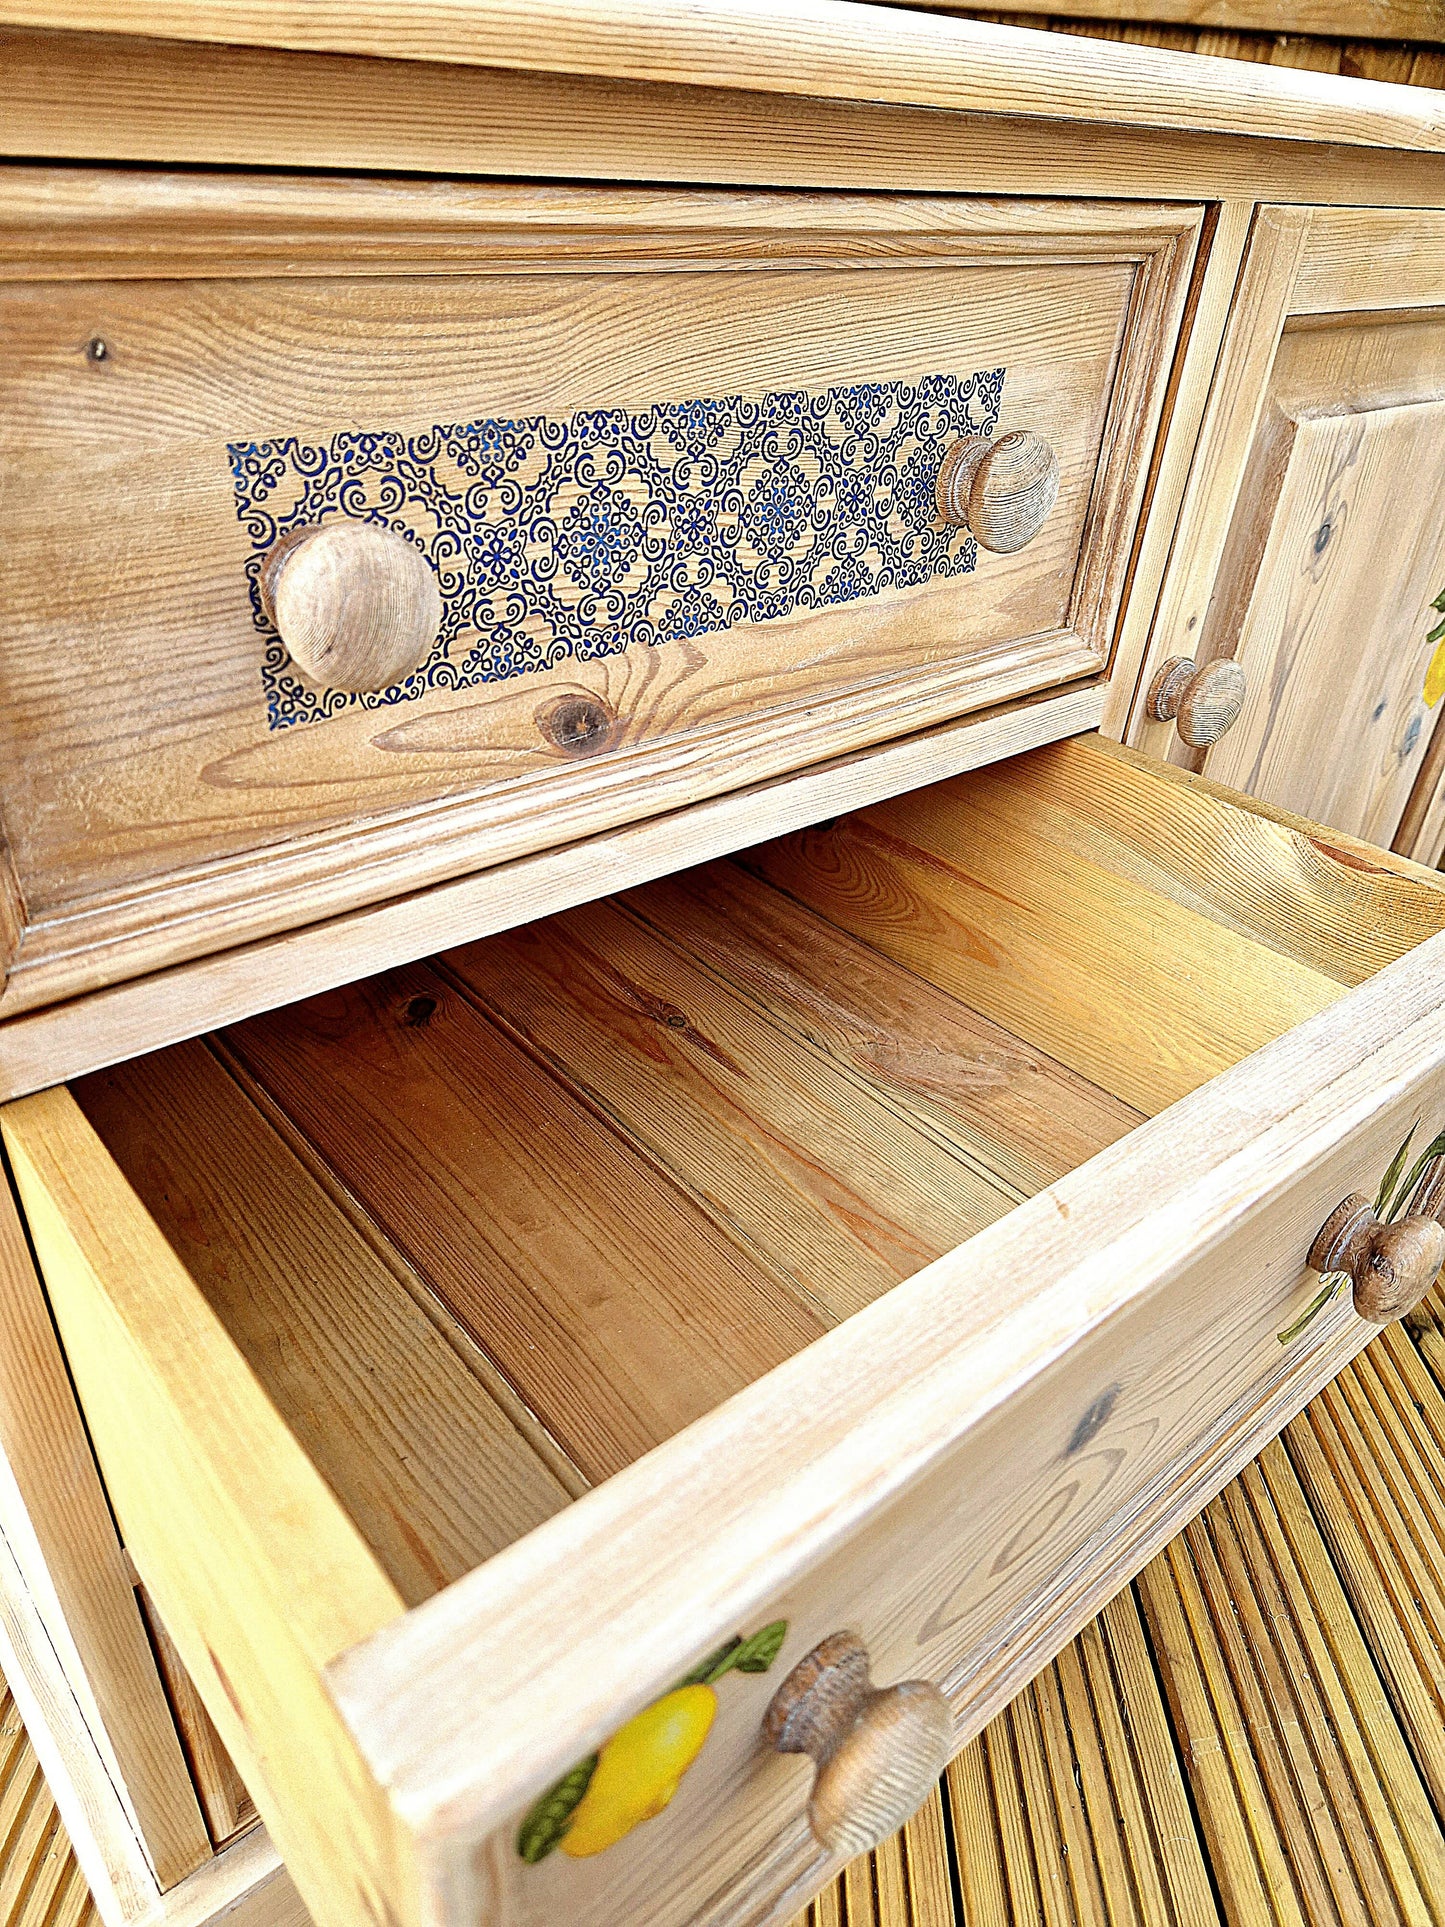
x=40 y=1883
x=1253 y=1734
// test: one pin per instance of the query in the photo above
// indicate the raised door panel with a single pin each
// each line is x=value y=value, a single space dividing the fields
x=1334 y=637
x=1312 y=544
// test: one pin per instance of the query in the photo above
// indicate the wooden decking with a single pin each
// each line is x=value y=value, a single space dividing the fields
x=1252 y=1734
x=40 y=1884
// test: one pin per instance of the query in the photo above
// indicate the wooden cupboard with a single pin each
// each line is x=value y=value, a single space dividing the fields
x=724 y=1158
x=1310 y=549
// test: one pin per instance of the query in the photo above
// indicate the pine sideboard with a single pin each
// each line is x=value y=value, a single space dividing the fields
x=719 y=769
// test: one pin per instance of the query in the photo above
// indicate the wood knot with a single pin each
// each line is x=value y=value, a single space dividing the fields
x=577 y=725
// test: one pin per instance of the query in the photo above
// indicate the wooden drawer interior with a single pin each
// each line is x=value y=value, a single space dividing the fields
x=488 y=1229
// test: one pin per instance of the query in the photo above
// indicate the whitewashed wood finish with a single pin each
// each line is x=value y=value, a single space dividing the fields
x=1236 y=398
x=107 y=1026
x=101 y=1830
x=209 y=830
x=58 y=1528
x=244 y=1886
x=1333 y=644
x=250 y=1559
x=1221 y=251
x=821 y=47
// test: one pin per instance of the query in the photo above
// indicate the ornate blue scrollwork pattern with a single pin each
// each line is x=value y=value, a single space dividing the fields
x=577 y=537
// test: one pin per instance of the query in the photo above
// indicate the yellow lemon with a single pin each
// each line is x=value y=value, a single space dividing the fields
x=1435 y=677
x=638 y=1769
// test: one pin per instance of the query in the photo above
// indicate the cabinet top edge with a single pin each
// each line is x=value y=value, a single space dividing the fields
x=831 y=49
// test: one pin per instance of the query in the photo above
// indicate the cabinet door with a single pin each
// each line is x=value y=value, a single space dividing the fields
x=1312 y=544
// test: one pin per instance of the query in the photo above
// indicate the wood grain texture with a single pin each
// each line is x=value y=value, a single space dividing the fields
x=227 y=1806
x=837 y=1183
x=244 y=1885
x=1007 y=890
x=1074 y=1379
x=1421 y=830
x=1257 y=316
x=1333 y=642
x=41 y=1884
x=102 y=1833
x=827 y=48
x=255 y=830
x=108 y=97
x=1373 y=1471
x=877 y=1751
x=57 y=1525
x=1322 y=897
x=1309 y=449
x=611 y=1303
x=1360 y=259
x=1020 y=1115
x=108 y=1026
x=1071 y=1804
x=357 y=607
x=1340 y=1081
x=83 y=224
x=257 y=1570
x=1211 y=297
x=390 y=1409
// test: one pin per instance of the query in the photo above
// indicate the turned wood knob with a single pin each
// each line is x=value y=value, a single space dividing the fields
x=877 y=1750
x=1001 y=491
x=1390 y=1266
x=356 y=604
x=1201 y=703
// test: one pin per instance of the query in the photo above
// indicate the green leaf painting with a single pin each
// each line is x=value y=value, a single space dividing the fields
x=550 y=1818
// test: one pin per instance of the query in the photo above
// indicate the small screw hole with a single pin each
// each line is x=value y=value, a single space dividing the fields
x=96 y=349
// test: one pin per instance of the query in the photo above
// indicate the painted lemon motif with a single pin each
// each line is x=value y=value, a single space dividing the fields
x=639 y=1768
x=635 y=1774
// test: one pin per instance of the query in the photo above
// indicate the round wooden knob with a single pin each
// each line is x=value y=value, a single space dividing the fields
x=1201 y=703
x=1001 y=491
x=877 y=1751
x=1390 y=1266
x=355 y=603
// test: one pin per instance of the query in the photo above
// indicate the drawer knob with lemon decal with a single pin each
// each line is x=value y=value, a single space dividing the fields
x=633 y=1776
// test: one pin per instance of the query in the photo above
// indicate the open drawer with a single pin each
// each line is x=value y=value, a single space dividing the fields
x=889 y=1232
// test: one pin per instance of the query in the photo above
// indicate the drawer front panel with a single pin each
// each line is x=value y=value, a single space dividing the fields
x=671 y=466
